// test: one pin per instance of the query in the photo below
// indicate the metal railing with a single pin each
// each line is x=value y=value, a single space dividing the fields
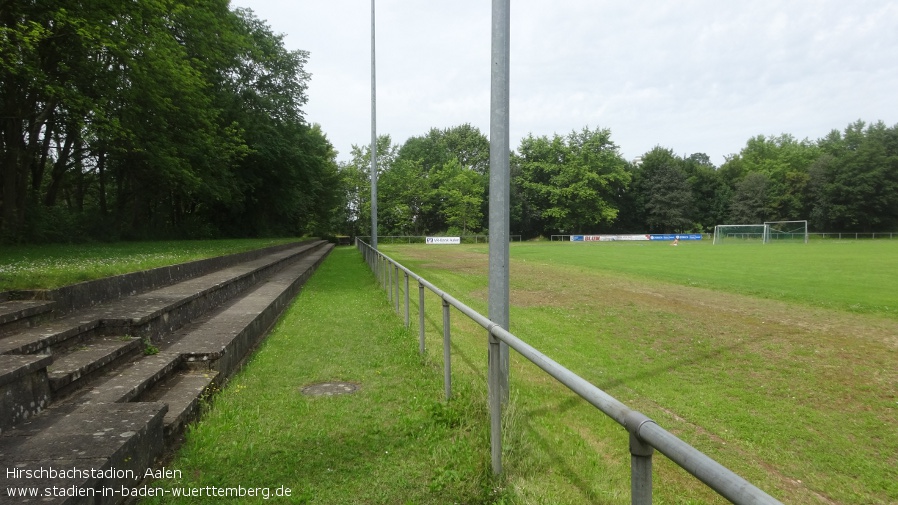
x=646 y=436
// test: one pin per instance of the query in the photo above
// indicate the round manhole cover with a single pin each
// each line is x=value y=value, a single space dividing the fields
x=330 y=389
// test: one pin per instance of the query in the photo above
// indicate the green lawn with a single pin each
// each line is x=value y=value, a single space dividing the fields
x=776 y=361
x=853 y=275
x=392 y=441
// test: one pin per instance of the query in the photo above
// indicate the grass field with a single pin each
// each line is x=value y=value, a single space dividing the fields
x=392 y=441
x=779 y=361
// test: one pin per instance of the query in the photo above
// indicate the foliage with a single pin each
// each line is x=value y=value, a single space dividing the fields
x=158 y=118
x=665 y=191
x=569 y=183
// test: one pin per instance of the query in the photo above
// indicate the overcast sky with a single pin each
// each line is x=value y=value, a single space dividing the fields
x=692 y=75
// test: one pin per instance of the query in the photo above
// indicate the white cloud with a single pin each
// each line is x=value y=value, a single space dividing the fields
x=694 y=76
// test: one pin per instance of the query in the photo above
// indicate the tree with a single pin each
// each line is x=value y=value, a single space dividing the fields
x=461 y=194
x=570 y=184
x=155 y=118
x=356 y=177
x=667 y=195
x=750 y=201
x=785 y=161
x=855 y=185
x=463 y=146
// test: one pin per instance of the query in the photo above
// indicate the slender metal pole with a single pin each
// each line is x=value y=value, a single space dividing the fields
x=396 y=270
x=447 y=355
x=421 y=318
x=500 y=187
x=373 y=140
x=407 y=322
x=499 y=220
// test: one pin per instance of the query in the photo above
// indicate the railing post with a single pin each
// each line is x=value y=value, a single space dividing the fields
x=447 y=355
x=640 y=459
x=495 y=399
x=398 y=288
x=640 y=471
x=389 y=285
x=421 y=317
x=407 y=322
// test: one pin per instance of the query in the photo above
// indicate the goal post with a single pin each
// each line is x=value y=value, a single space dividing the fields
x=740 y=233
x=794 y=231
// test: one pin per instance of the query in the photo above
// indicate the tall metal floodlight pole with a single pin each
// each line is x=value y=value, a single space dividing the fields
x=373 y=140
x=499 y=221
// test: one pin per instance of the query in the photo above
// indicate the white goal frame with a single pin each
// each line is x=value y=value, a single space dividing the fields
x=762 y=234
x=795 y=229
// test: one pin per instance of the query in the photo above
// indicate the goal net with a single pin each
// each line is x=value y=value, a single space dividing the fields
x=793 y=231
x=740 y=233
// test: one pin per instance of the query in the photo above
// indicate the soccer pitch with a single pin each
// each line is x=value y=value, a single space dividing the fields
x=778 y=360
x=855 y=276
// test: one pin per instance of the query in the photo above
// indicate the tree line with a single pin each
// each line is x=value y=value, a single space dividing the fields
x=580 y=183
x=183 y=118
x=155 y=119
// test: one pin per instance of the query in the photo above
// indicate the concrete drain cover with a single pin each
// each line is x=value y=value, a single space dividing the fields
x=330 y=389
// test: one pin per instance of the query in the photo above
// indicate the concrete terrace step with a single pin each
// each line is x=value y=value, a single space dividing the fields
x=107 y=445
x=134 y=380
x=134 y=405
x=24 y=388
x=83 y=360
x=221 y=340
x=17 y=313
x=47 y=336
x=153 y=313
x=183 y=392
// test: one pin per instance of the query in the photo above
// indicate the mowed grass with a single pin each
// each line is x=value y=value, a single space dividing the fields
x=779 y=361
x=852 y=275
x=52 y=266
x=393 y=441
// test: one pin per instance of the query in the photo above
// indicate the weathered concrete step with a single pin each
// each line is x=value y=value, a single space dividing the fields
x=183 y=392
x=89 y=293
x=101 y=447
x=45 y=337
x=133 y=380
x=221 y=341
x=83 y=360
x=156 y=312
x=17 y=313
x=24 y=388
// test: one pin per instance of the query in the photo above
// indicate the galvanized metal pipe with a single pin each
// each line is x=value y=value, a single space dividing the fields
x=640 y=471
x=420 y=317
x=396 y=276
x=500 y=185
x=407 y=321
x=447 y=355
x=373 y=138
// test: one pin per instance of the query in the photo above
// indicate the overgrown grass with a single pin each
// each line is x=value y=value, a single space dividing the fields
x=52 y=266
x=792 y=381
x=395 y=440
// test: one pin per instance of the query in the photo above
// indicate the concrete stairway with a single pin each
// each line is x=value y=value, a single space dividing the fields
x=97 y=379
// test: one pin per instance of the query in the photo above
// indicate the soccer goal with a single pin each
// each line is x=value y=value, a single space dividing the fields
x=740 y=233
x=792 y=231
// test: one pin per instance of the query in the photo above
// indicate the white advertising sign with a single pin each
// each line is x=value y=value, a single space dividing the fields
x=443 y=240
